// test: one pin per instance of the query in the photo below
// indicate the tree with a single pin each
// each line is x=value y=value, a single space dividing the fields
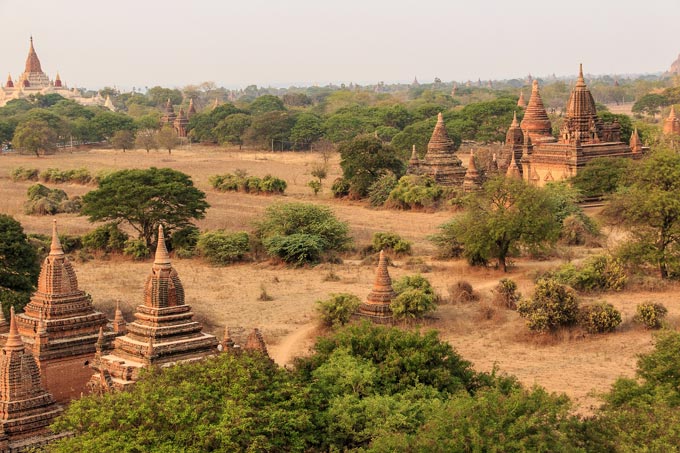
x=271 y=127
x=338 y=309
x=106 y=123
x=145 y=199
x=123 y=139
x=600 y=176
x=167 y=138
x=19 y=266
x=146 y=139
x=650 y=104
x=364 y=160
x=504 y=216
x=308 y=128
x=35 y=136
x=649 y=204
x=266 y=103
x=232 y=128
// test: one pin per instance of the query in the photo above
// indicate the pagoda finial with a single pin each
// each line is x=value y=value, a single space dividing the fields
x=514 y=120
x=162 y=258
x=534 y=86
x=440 y=117
x=580 y=81
x=55 y=248
x=14 y=342
x=99 y=345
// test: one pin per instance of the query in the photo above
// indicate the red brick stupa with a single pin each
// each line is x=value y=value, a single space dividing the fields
x=377 y=304
x=441 y=162
x=536 y=122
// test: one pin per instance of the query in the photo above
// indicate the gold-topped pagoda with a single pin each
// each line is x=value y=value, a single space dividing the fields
x=163 y=332
x=441 y=162
x=60 y=325
x=377 y=304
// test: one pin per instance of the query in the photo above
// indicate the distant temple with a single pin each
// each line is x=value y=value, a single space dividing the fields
x=671 y=125
x=178 y=122
x=377 y=305
x=163 y=332
x=538 y=157
x=440 y=161
x=35 y=81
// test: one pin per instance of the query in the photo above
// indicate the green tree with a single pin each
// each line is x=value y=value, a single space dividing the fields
x=650 y=104
x=123 y=139
x=232 y=128
x=35 y=136
x=106 y=123
x=364 y=160
x=145 y=199
x=308 y=128
x=600 y=176
x=266 y=103
x=270 y=127
x=158 y=96
x=338 y=309
x=167 y=138
x=19 y=266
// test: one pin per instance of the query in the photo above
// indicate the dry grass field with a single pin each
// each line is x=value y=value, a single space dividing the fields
x=577 y=364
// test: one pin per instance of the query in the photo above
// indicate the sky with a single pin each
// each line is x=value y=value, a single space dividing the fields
x=173 y=43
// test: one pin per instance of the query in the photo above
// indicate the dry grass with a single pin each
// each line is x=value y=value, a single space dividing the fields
x=569 y=362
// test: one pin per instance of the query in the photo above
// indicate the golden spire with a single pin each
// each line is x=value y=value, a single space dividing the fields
x=14 y=342
x=55 y=247
x=162 y=258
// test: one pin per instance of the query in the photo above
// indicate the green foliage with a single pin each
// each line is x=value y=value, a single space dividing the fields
x=24 y=174
x=19 y=267
x=337 y=310
x=123 y=139
x=415 y=192
x=35 y=136
x=185 y=239
x=390 y=242
x=146 y=198
x=56 y=176
x=241 y=182
x=506 y=293
x=266 y=103
x=579 y=230
x=297 y=249
x=167 y=138
x=380 y=190
x=107 y=238
x=315 y=185
x=308 y=128
x=232 y=129
x=414 y=282
x=446 y=241
x=650 y=315
x=552 y=306
x=601 y=176
x=45 y=201
x=220 y=247
x=650 y=104
x=413 y=304
x=137 y=249
x=364 y=160
x=340 y=188
x=274 y=126
x=600 y=317
x=597 y=273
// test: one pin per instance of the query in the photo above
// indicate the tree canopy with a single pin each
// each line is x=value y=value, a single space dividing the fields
x=364 y=160
x=19 y=267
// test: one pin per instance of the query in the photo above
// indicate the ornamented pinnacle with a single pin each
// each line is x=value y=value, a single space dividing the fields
x=55 y=248
x=580 y=81
x=162 y=257
x=14 y=342
x=32 y=61
x=514 y=120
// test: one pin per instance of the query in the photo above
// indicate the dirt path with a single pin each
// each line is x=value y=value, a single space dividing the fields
x=291 y=346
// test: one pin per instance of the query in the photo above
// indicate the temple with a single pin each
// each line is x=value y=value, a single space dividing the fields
x=60 y=325
x=671 y=125
x=377 y=304
x=473 y=178
x=163 y=332
x=440 y=161
x=26 y=408
x=542 y=158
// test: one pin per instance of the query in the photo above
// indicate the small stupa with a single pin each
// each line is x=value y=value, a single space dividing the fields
x=377 y=304
x=473 y=179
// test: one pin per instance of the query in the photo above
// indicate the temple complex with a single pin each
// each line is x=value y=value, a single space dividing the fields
x=60 y=325
x=162 y=334
x=583 y=137
x=671 y=125
x=377 y=304
x=441 y=162
x=26 y=408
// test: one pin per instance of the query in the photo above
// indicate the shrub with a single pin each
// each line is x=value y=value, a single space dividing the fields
x=137 y=249
x=45 y=201
x=315 y=185
x=107 y=238
x=24 y=174
x=415 y=192
x=506 y=293
x=185 y=238
x=413 y=304
x=598 y=273
x=380 y=190
x=446 y=241
x=599 y=318
x=338 y=309
x=461 y=291
x=340 y=188
x=271 y=184
x=409 y=282
x=390 y=241
x=650 y=314
x=552 y=305
x=579 y=230
x=78 y=176
x=297 y=249
x=220 y=247
x=240 y=181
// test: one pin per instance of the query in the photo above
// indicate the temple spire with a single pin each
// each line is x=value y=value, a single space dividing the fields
x=162 y=257
x=14 y=342
x=55 y=248
x=514 y=120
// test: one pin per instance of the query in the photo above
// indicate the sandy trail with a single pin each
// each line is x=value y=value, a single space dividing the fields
x=293 y=345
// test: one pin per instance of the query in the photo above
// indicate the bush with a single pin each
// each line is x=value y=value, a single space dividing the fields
x=380 y=190
x=338 y=309
x=220 y=247
x=137 y=249
x=409 y=282
x=506 y=293
x=446 y=241
x=599 y=318
x=552 y=306
x=390 y=242
x=413 y=304
x=598 y=273
x=415 y=192
x=340 y=188
x=271 y=184
x=45 y=201
x=241 y=182
x=579 y=230
x=78 y=176
x=107 y=238
x=462 y=291
x=24 y=174
x=297 y=249
x=185 y=239
x=315 y=185
x=650 y=314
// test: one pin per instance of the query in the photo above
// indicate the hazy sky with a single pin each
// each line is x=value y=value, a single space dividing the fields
x=304 y=42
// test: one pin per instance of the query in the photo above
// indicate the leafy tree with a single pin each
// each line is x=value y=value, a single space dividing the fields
x=600 y=176
x=35 y=136
x=308 y=128
x=106 y=123
x=266 y=103
x=343 y=126
x=338 y=309
x=167 y=138
x=270 y=127
x=623 y=119
x=650 y=104
x=19 y=266
x=145 y=199
x=146 y=139
x=158 y=96
x=364 y=160
x=123 y=139
x=296 y=99
x=232 y=128
x=504 y=216
x=552 y=306
x=649 y=205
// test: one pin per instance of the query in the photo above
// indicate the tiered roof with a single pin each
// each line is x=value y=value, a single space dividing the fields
x=33 y=75
x=536 y=122
x=377 y=304
x=181 y=123
x=169 y=116
x=9 y=83
x=440 y=160
x=32 y=60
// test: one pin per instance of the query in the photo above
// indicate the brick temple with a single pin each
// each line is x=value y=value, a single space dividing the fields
x=671 y=125
x=440 y=161
x=377 y=305
x=163 y=332
x=60 y=326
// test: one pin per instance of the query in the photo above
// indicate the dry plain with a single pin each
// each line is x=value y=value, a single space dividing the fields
x=574 y=363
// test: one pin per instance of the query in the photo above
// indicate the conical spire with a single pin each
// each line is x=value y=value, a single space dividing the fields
x=635 y=142
x=513 y=168
x=471 y=181
x=100 y=340
x=32 y=61
x=10 y=82
x=55 y=247
x=536 y=122
x=514 y=120
x=162 y=257
x=580 y=81
x=672 y=116
x=521 y=102
x=440 y=141
x=57 y=81
x=14 y=342
x=382 y=286
x=119 y=324
x=192 y=108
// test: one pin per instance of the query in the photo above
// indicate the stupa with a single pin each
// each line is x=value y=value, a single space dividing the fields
x=441 y=162
x=60 y=325
x=180 y=124
x=635 y=142
x=521 y=102
x=26 y=408
x=473 y=179
x=377 y=304
x=256 y=343
x=169 y=115
x=536 y=122
x=192 y=109
x=671 y=125
x=413 y=167
x=514 y=141
x=162 y=334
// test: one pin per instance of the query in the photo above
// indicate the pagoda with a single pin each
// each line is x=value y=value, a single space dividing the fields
x=59 y=325
x=441 y=162
x=521 y=103
x=180 y=124
x=635 y=143
x=514 y=141
x=26 y=408
x=377 y=304
x=162 y=334
x=473 y=179
x=583 y=137
x=33 y=75
x=671 y=125
x=256 y=343
x=169 y=115
x=192 y=109
x=413 y=167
